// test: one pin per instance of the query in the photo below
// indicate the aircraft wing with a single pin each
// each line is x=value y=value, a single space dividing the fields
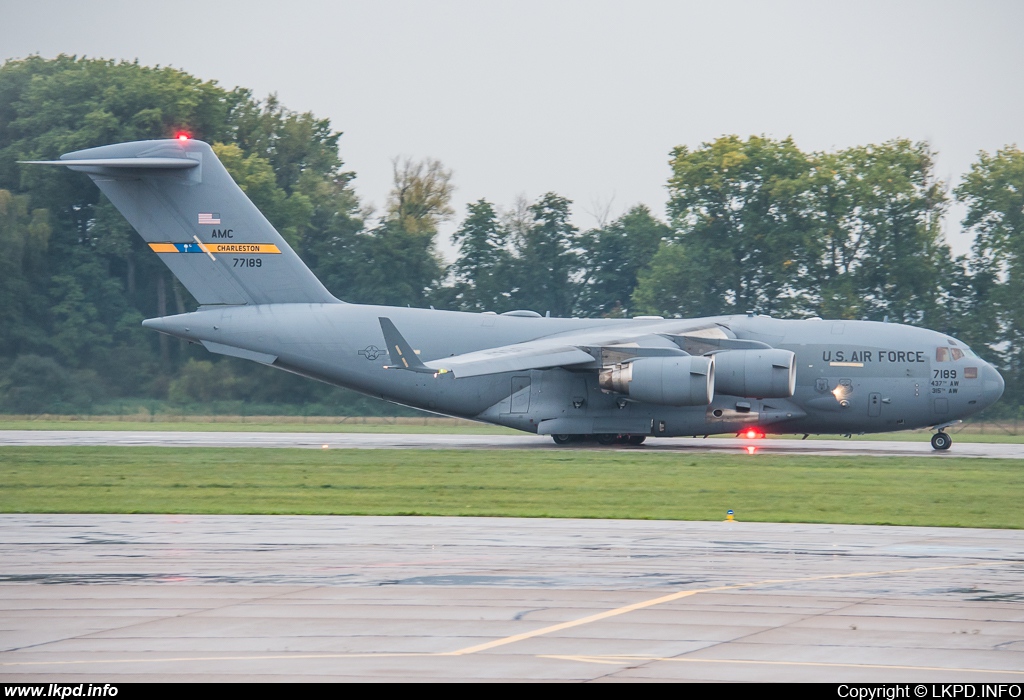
x=512 y=358
x=586 y=346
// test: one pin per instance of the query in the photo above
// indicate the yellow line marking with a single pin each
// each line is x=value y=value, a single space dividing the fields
x=684 y=594
x=845 y=364
x=582 y=621
x=239 y=248
x=561 y=626
x=621 y=659
x=604 y=660
x=220 y=248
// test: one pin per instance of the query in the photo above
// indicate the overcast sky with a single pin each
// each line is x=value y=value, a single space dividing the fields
x=585 y=98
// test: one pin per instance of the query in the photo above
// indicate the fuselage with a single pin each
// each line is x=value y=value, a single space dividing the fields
x=851 y=376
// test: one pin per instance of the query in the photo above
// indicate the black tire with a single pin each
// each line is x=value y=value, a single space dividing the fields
x=607 y=438
x=637 y=439
x=562 y=439
x=941 y=441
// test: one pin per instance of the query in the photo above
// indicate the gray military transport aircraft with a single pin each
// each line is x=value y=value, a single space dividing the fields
x=613 y=380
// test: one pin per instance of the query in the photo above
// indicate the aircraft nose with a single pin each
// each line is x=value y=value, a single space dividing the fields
x=992 y=386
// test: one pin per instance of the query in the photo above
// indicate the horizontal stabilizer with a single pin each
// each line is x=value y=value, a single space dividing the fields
x=149 y=163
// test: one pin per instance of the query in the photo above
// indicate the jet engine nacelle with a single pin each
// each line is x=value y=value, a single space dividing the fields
x=669 y=381
x=762 y=374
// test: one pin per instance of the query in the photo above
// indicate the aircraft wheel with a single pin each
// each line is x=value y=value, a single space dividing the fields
x=607 y=438
x=637 y=439
x=562 y=439
x=941 y=441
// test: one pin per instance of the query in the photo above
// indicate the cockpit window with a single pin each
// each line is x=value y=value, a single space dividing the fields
x=958 y=348
x=941 y=354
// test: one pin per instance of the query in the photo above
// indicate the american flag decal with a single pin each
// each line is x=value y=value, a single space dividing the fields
x=210 y=219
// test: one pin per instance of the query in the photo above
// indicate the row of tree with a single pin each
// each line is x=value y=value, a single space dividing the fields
x=752 y=225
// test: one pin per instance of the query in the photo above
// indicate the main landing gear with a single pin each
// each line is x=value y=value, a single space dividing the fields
x=602 y=439
x=941 y=441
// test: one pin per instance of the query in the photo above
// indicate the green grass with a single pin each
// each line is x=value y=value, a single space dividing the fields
x=578 y=484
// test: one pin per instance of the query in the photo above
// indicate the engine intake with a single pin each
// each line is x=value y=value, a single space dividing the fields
x=670 y=381
x=762 y=374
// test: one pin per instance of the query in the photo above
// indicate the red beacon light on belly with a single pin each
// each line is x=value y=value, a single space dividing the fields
x=752 y=434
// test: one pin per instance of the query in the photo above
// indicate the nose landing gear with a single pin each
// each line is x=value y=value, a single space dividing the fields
x=941 y=441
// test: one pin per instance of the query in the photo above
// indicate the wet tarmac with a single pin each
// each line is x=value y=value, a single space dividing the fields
x=382 y=441
x=107 y=598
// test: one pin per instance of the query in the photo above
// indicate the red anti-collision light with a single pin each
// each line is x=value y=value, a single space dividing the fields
x=752 y=434
x=182 y=136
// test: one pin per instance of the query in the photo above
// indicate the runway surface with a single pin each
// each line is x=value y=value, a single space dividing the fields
x=113 y=598
x=380 y=441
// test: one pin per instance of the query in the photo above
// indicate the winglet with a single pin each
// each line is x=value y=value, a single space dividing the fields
x=401 y=353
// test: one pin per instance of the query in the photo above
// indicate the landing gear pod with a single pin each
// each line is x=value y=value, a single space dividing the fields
x=669 y=381
x=764 y=374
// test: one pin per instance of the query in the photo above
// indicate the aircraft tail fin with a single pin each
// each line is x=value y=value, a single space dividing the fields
x=179 y=197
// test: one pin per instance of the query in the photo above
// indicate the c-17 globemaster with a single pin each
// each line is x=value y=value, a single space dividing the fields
x=613 y=380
